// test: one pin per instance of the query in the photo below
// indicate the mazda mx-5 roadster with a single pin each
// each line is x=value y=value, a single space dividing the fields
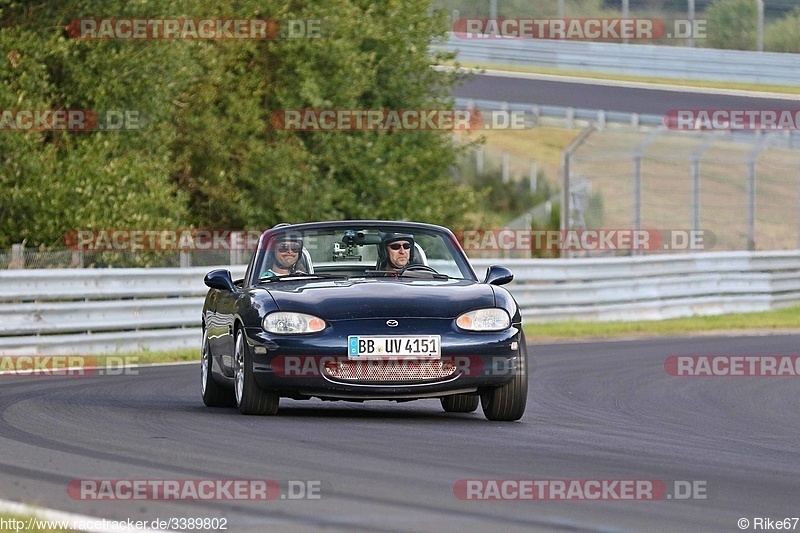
x=363 y=310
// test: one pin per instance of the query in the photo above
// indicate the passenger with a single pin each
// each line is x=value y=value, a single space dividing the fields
x=286 y=257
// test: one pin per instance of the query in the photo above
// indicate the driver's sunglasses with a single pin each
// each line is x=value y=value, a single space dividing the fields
x=294 y=248
x=397 y=246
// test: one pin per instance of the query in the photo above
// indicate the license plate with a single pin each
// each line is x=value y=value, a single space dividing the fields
x=377 y=347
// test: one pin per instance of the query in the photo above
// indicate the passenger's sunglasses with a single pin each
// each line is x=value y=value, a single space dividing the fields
x=397 y=246
x=294 y=248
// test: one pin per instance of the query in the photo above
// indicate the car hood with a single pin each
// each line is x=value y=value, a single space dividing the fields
x=355 y=299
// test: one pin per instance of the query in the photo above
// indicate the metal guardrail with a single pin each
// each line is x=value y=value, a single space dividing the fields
x=570 y=117
x=118 y=310
x=632 y=59
x=101 y=310
x=642 y=288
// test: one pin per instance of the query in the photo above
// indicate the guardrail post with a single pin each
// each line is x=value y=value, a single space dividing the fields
x=537 y=114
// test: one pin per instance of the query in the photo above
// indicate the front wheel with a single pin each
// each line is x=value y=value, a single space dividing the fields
x=251 y=399
x=214 y=394
x=507 y=403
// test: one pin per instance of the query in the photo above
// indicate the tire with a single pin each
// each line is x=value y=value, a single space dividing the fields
x=250 y=398
x=214 y=394
x=460 y=403
x=507 y=403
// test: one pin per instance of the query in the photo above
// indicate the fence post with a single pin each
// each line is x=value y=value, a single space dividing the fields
x=751 y=191
x=695 y=193
x=534 y=176
x=697 y=155
x=751 y=205
x=637 y=192
x=565 y=186
x=17 y=256
x=506 y=167
x=638 y=155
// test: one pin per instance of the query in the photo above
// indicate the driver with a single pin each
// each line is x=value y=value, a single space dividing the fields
x=286 y=256
x=399 y=250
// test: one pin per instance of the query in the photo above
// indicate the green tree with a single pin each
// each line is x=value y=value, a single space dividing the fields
x=732 y=24
x=208 y=154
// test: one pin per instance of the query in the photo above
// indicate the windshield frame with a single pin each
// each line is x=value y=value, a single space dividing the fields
x=269 y=237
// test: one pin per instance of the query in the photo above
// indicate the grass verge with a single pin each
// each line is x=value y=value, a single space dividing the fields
x=768 y=321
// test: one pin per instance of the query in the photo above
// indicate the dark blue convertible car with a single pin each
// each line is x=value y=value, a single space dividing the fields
x=363 y=310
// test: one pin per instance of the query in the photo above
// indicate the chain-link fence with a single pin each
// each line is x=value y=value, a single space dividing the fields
x=742 y=191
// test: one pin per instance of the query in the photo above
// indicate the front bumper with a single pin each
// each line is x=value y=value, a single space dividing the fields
x=317 y=365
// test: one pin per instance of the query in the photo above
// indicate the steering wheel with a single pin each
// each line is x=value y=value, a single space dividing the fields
x=424 y=268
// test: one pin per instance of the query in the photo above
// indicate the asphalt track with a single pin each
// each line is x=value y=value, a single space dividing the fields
x=602 y=410
x=598 y=95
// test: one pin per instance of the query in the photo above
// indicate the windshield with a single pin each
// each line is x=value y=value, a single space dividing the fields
x=355 y=251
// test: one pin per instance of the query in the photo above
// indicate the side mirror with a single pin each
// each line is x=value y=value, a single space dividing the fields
x=498 y=275
x=220 y=279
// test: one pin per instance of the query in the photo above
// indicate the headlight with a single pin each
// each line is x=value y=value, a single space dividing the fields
x=284 y=323
x=493 y=319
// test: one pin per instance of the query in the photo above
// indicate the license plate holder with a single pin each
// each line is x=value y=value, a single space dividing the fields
x=367 y=347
